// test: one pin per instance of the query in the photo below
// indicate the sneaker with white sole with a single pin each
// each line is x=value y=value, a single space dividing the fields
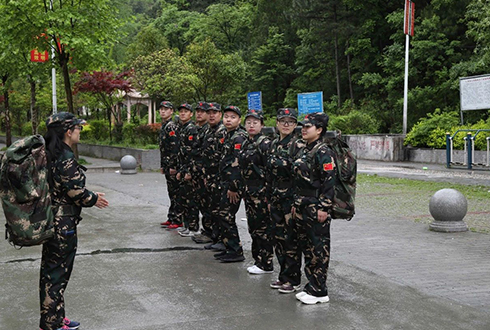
x=276 y=284
x=308 y=299
x=254 y=270
x=300 y=294
x=289 y=288
x=187 y=233
x=73 y=325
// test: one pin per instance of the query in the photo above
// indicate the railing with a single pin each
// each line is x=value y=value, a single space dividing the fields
x=469 y=149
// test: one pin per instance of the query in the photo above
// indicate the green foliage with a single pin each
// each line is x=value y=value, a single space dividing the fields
x=420 y=134
x=355 y=122
x=96 y=130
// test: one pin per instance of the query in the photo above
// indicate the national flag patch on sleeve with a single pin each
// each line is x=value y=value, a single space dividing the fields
x=172 y=133
x=328 y=166
x=222 y=140
x=238 y=146
x=191 y=138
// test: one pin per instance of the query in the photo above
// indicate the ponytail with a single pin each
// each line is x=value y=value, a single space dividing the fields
x=54 y=147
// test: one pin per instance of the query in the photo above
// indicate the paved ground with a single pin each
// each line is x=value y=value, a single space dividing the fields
x=386 y=273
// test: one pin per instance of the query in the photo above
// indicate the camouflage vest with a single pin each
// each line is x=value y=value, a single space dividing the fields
x=24 y=192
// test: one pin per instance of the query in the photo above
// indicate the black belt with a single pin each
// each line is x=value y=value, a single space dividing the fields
x=68 y=209
x=307 y=192
x=254 y=183
x=283 y=184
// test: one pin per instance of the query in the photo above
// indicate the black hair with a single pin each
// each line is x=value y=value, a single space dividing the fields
x=54 y=147
x=322 y=123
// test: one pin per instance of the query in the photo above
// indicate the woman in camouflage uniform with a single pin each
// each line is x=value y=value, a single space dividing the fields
x=253 y=162
x=69 y=195
x=280 y=196
x=314 y=178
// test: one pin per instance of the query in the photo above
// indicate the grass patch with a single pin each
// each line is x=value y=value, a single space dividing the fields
x=82 y=161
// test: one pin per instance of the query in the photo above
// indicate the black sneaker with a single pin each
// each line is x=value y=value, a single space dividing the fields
x=232 y=257
x=219 y=255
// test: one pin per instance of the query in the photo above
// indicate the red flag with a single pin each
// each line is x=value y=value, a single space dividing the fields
x=238 y=146
x=328 y=167
x=172 y=133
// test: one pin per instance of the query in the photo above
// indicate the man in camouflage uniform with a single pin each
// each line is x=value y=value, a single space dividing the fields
x=203 y=198
x=280 y=193
x=169 y=149
x=69 y=195
x=211 y=153
x=314 y=178
x=188 y=151
x=231 y=186
x=253 y=162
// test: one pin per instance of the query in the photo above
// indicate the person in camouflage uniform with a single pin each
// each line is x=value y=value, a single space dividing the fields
x=169 y=149
x=231 y=186
x=188 y=151
x=211 y=152
x=253 y=162
x=280 y=195
x=202 y=198
x=69 y=195
x=314 y=178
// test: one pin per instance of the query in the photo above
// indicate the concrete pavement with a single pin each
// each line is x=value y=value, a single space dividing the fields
x=386 y=273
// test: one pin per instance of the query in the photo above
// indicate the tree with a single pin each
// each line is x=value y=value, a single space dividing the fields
x=106 y=87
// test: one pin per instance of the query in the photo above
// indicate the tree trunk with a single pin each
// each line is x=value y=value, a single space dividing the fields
x=337 y=66
x=351 y=90
x=34 y=115
x=66 y=78
x=8 y=129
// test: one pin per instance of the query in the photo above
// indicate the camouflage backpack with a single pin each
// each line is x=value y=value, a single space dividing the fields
x=346 y=173
x=24 y=192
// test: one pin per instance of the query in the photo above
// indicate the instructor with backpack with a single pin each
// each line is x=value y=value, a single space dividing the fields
x=314 y=176
x=69 y=194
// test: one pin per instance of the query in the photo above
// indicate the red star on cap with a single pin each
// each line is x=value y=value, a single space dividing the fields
x=286 y=111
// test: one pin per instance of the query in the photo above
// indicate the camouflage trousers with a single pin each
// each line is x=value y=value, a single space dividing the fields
x=203 y=200
x=259 y=227
x=214 y=198
x=285 y=239
x=58 y=255
x=173 y=194
x=227 y=221
x=314 y=242
x=188 y=205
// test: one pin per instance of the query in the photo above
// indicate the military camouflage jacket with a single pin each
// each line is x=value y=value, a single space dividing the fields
x=314 y=175
x=253 y=160
x=69 y=182
x=229 y=167
x=188 y=147
x=279 y=168
x=202 y=131
x=212 y=150
x=169 y=145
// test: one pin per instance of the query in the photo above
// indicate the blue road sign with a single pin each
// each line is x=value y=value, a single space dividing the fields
x=254 y=100
x=310 y=103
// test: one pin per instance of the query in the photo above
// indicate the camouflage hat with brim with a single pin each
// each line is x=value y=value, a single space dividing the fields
x=316 y=119
x=233 y=109
x=255 y=114
x=214 y=106
x=63 y=119
x=166 y=104
x=202 y=106
x=287 y=113
x=186 y=106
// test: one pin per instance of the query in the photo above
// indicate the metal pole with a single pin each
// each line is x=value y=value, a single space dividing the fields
x=405 y=90
x=53 y=71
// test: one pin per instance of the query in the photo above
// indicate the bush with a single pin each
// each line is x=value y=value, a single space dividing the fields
x=129 y=132
x=148 y=134
x=355 y=122
x=422 y=134
x=99 y=130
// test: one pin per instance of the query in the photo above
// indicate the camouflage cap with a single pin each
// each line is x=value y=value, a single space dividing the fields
x=255 y=113
x=185 y=106
x=287 y=112
x=166 y=104
x=234 y=109
x=214 y=106
x=318 y=119
x=63 y=119
x=202 y=106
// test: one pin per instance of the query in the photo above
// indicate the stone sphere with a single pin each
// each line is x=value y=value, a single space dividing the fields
x=128 y=165
x=448 y=205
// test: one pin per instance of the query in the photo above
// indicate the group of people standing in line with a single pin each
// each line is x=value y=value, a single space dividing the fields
x=287 y=185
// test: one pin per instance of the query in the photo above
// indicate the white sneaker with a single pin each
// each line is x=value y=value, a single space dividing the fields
x=254 y=270
x=311 y=300
x=182 y=229
x=300 y=294
x=188 y=233
x=184 y=232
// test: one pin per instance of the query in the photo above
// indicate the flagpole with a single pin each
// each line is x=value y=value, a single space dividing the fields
x=53 y=71
x=405 y=89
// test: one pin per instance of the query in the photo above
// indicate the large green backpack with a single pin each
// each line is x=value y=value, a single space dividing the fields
x=346 y=175
x=24 y=192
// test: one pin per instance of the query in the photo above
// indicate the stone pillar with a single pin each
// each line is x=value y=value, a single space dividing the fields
x=448 y=207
